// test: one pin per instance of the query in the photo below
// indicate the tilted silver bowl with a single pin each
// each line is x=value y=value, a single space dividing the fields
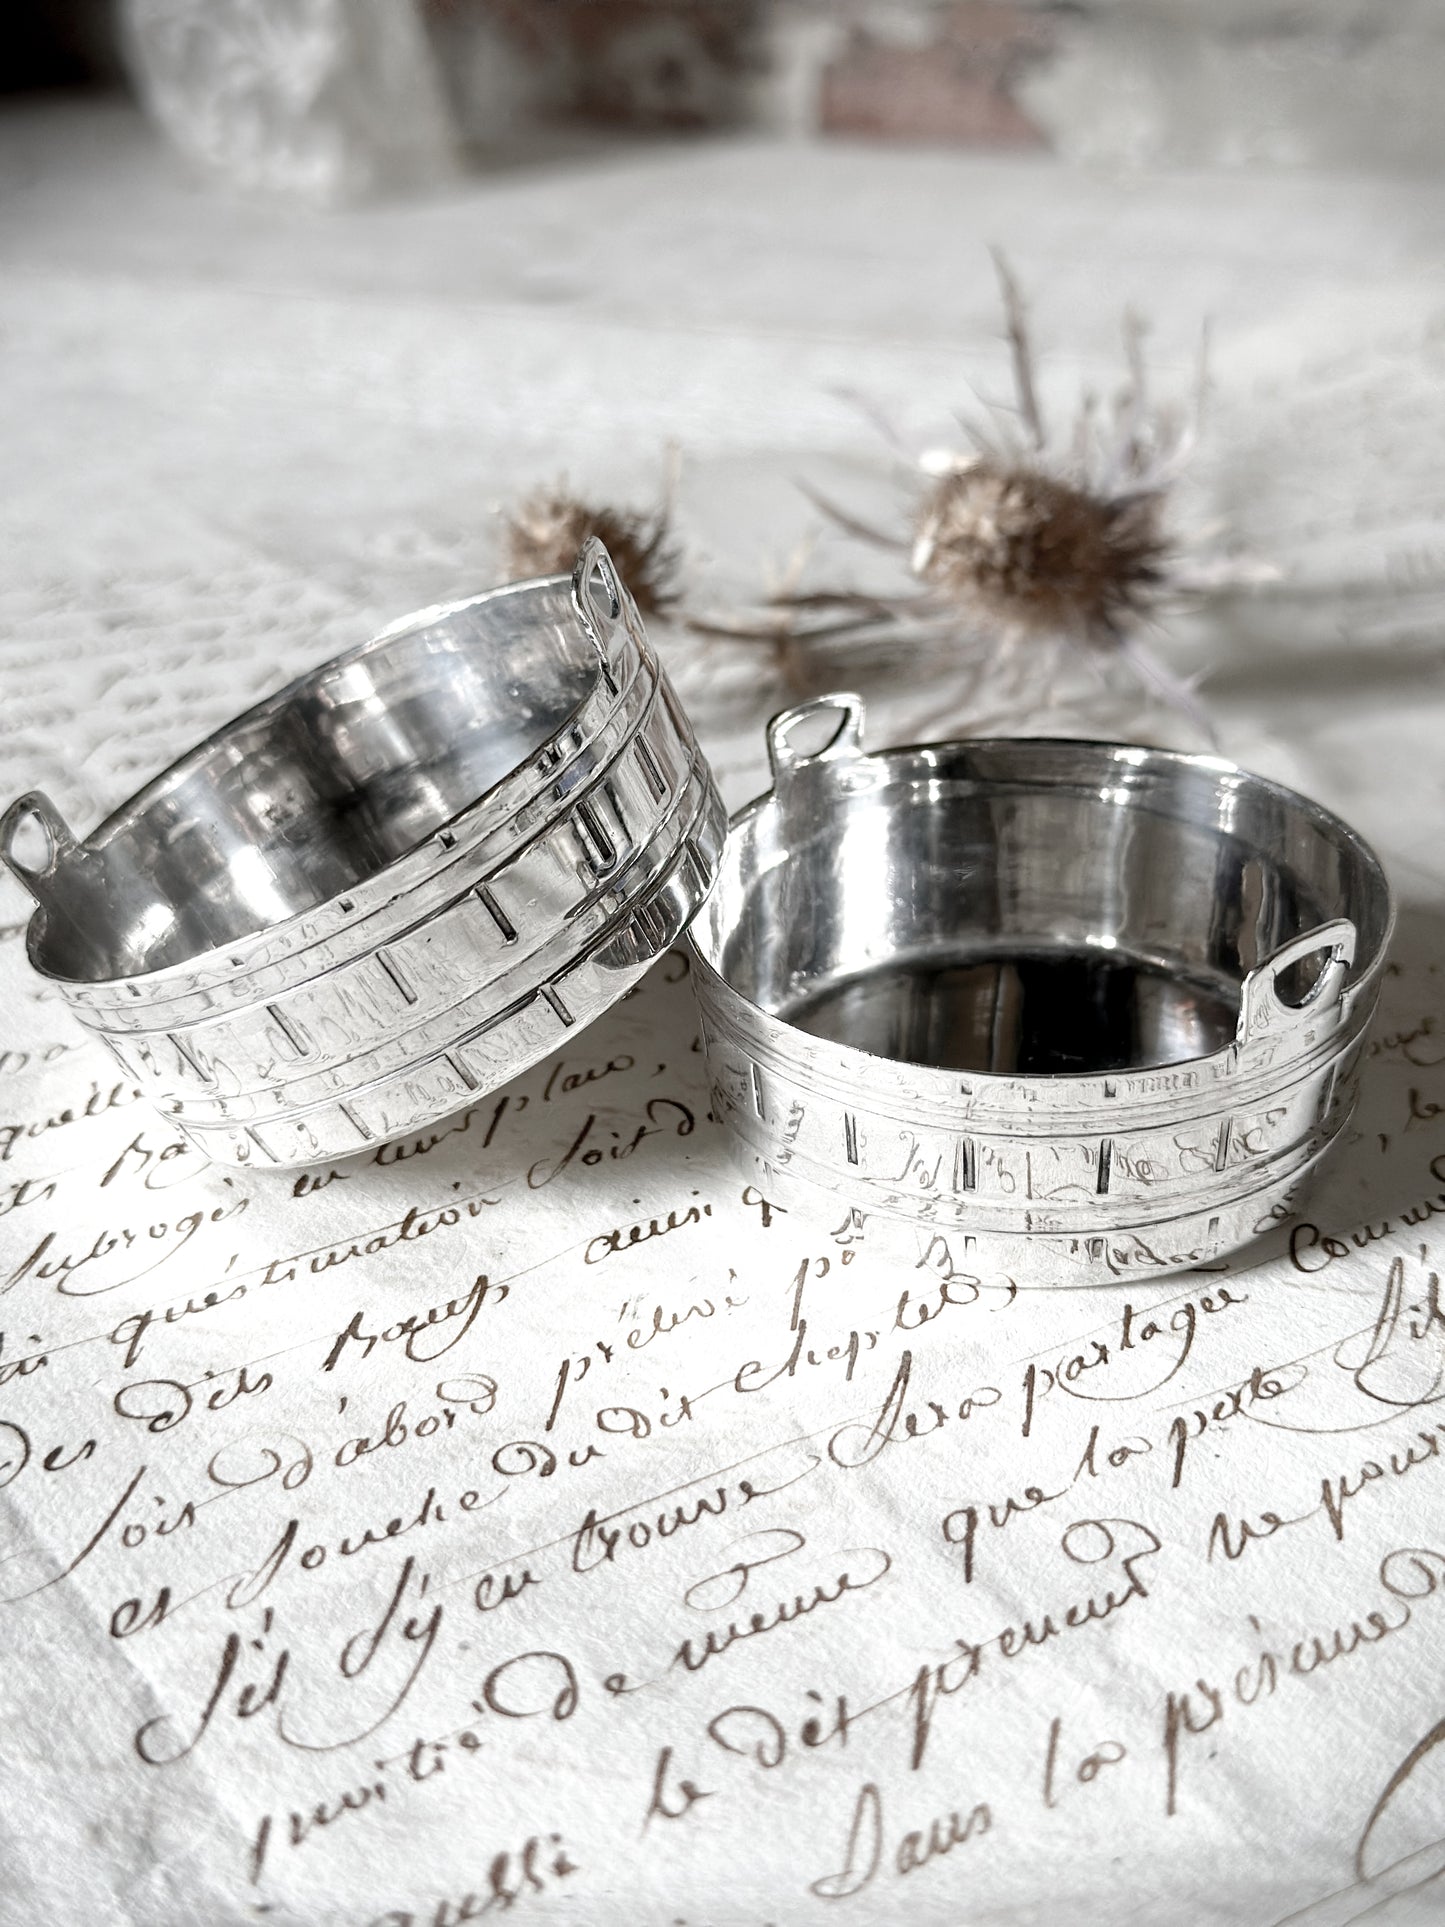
x=393 y=885
x=1076 y=1010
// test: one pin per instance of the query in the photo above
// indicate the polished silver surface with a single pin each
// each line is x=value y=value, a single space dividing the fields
x=393 y=885
x=1072 y=1010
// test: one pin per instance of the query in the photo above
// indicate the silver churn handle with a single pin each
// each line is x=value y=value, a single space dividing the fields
x=35 y=814
x=1264 y=1013
x=843 y=746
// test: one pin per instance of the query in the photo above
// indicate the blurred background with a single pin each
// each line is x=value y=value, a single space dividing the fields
x=1195 y=81
x=1322 y=82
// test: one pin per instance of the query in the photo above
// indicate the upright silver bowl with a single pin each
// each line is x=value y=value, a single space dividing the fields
x=393 y=885
x=1073 y=1010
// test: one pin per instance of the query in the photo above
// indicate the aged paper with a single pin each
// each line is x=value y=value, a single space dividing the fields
x=533 y=1516
x=532 y=1519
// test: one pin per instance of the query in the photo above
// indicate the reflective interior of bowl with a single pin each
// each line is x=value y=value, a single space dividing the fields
x=1029 y=906
x=321 y=786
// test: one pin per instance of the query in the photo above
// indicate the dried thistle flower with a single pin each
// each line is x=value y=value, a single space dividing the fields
x=1016 y=548
x=546 y=530
x=1020 y=539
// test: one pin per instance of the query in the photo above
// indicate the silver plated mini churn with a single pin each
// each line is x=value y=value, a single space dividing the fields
x=1073 y=1010
x=392 y=886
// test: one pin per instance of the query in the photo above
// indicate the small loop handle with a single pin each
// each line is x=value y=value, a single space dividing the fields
x=845 y=745
x=600 y=614
x=1262 y=1011
x=35 y=807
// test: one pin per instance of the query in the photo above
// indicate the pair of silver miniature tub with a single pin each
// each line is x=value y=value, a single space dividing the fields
x=1079 y=1009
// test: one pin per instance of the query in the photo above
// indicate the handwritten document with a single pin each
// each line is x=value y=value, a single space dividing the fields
x=534 y=1518
x=531 y=1520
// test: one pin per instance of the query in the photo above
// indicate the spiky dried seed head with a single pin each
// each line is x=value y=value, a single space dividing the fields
x=545 y=532
x=1030 y=554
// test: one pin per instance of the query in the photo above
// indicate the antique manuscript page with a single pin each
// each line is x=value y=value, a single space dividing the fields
x=531 y=1518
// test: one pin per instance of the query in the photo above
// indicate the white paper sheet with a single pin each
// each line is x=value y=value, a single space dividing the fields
x=532 y=1518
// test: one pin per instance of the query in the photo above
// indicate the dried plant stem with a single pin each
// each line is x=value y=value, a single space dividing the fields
x=1020 y=547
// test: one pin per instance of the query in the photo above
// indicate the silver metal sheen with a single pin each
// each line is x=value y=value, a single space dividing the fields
x=1076 y=1011
x=392 y=886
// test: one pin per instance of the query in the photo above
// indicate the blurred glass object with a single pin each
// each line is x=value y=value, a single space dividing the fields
x=321 y=100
